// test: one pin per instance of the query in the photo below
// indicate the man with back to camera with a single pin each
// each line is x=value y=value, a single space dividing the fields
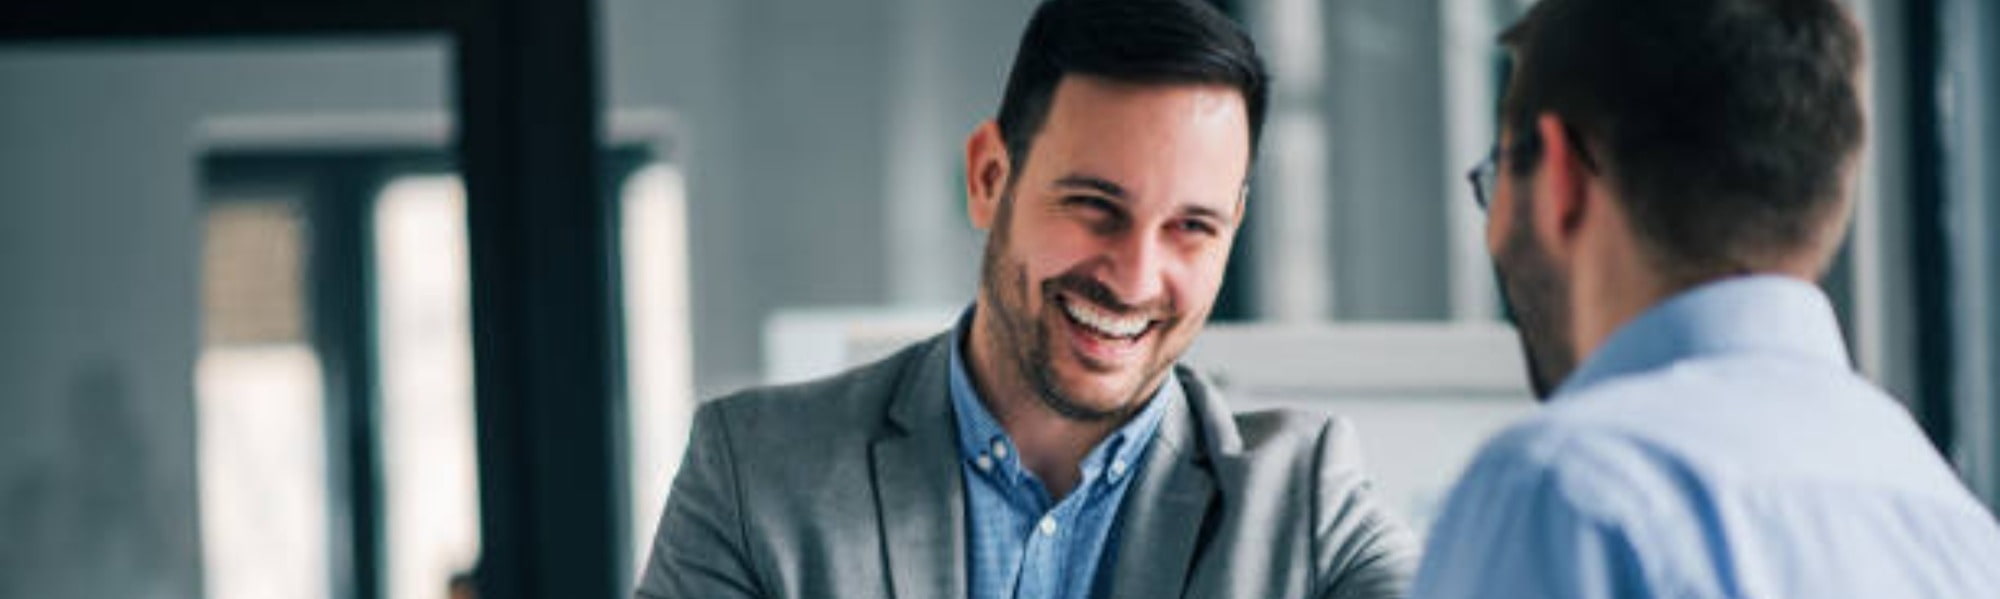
x=1672 y=177
x=1047 y=446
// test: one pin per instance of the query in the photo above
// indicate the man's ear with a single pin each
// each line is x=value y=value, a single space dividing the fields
x=987 y=170
x=1564 y=199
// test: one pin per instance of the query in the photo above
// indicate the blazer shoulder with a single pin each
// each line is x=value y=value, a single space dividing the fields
x=854 y=400
x=1289 y=431
x=1323 y=449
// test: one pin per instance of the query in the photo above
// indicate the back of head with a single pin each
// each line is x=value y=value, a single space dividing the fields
x=1166 y=42
x=1728 y=128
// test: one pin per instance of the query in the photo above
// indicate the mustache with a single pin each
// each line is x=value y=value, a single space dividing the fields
x=1098 y=293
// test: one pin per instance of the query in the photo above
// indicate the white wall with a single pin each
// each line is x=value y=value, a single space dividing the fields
x=822 y=149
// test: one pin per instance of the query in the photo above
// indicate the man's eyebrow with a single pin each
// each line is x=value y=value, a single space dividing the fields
x=1203 y=211
x=1115 y=191
x=1102 y=185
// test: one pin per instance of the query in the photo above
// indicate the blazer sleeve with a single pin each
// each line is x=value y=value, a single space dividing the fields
x=1361 y=551
x=700 y=550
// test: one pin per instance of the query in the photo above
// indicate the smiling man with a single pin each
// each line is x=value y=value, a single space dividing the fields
x=1048 y=446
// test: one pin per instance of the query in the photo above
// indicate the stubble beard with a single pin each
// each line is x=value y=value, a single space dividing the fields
x=1538 y=307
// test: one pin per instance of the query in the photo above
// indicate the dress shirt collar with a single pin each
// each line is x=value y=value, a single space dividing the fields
x=1765 y=314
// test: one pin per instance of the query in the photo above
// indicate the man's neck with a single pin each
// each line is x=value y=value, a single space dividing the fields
x=1051 y=446
x=1604 y=305
x=1613 y=280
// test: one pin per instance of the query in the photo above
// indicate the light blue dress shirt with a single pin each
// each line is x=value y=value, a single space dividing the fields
x=1021 y=543
x=1719 y=445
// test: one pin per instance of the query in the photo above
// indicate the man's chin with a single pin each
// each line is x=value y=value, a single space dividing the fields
x=1092 y=400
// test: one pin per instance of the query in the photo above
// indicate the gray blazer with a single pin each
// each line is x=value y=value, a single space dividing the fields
x=851 y=487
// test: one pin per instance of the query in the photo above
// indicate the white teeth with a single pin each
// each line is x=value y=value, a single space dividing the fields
x=1105 y=323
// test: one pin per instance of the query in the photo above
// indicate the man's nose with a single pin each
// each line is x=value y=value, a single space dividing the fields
x=1137 y=269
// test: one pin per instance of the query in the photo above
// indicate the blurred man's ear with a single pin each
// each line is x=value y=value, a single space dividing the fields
x=1558 y=210
x=987 y=169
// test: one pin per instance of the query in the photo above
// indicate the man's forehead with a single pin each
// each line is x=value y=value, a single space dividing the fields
x=1131 y=134
x=1085 y=91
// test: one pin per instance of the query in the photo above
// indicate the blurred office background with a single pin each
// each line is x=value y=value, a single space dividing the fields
x=247 y=286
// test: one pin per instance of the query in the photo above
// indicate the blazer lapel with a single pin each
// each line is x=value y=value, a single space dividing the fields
x=1165 y=512
x=920 y=501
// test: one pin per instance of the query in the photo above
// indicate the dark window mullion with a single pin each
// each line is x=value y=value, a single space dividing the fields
x=343 y=333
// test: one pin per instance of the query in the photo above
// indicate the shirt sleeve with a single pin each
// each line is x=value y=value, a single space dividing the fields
x=1511 y=529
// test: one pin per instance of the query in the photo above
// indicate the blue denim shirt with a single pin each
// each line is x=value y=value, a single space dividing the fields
x=1020 y=542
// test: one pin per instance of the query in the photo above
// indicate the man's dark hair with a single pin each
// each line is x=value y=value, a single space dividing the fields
x=1133 y=41
x=1726 y=126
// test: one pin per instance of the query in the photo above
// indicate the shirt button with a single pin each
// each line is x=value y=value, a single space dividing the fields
x=985 y=463
x=999 y=450
x=1118 y=468
x=1048 y=526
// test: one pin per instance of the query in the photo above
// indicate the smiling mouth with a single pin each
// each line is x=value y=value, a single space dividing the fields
x=1103 y=323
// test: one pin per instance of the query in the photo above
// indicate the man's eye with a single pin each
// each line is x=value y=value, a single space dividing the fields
x=1097 y=213
x=1196 y=226
x=1092 y=203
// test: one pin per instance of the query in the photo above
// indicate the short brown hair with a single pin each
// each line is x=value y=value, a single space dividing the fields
x=1728 y=127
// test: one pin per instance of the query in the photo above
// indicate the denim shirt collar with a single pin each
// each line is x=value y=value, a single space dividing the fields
x=980 y=436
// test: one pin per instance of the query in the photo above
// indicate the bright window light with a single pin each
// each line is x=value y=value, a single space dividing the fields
x=655 y=275
x=423 y=320
x=260 y=410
